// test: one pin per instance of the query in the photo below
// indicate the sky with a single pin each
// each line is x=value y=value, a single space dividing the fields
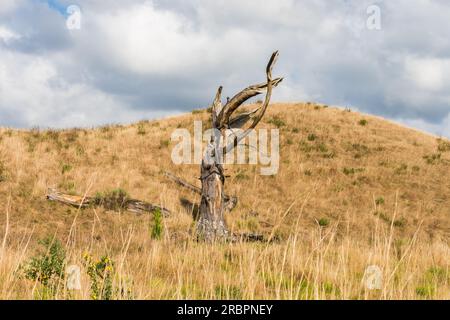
x=134 y=60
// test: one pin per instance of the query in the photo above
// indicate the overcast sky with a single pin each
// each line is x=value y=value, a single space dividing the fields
x=133 y=60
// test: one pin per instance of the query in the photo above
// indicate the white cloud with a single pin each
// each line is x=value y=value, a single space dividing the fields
x=7 y=35
x=145 y=40
x=427 y=73
x=34 y=89
x=131 y=59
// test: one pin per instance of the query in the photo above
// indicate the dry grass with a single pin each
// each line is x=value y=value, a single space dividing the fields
x=349 y=193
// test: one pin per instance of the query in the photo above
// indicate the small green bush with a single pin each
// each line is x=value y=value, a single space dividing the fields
x=321 y=147
x=241 y=176
x=363 y=122
x=383 y=216
x=351 y=171
x=100 y=273
x=443 y=145
x=157 y=227
x=115 y=200
x=402 y=169
x=66 y=168
x=425 y=291
x=400 y=223
x=433 y=159
x=164 y=143
x=2 y=172
x=47 y=267
x=323 y=222
x=277 y=122
x=141 y=129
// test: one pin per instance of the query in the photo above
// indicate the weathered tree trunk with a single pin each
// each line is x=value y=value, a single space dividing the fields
x=211 y=225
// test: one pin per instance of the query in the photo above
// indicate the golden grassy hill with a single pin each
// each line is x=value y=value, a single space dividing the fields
x=352 y=190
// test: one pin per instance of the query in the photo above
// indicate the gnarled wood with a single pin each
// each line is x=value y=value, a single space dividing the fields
x=230 y=201
x=235 y=102
x=211 y=224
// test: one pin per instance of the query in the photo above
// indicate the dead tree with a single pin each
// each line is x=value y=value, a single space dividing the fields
x=211 y=225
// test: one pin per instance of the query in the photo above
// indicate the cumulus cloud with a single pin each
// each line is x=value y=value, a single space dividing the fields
x=38 y=92
x=138 y=59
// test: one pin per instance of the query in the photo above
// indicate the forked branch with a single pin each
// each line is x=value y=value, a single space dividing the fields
x=261 y=111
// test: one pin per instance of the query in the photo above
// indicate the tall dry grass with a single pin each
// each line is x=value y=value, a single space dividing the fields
x=323 y=266
x=347 y=196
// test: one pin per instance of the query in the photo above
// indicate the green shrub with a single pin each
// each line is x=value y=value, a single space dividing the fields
x=312 y=137
x=321 y=147
x=383 y=216
x=351 y=171
x=66 y=168
x=379 y=201
x=2 y=172
x=241 y=176
x=157 y=227
x=141 y=129
x=47 y=267
x=164 y=143
x=443 y=145
x=402 y=169
x=277 y=122
x=425 y=291
x=100 y=274
x=323 y=222
x=363 y=122
x=115 y=200
x=433 y=159
x=400 y=223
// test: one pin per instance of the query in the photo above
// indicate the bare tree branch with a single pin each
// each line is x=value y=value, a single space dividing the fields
x=263 y=108
x=216 y=107
x=183 y=183
x=241 y=97
x=240 y=120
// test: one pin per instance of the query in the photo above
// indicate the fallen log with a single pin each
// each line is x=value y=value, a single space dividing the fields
x=70 y=200
x=131 y=205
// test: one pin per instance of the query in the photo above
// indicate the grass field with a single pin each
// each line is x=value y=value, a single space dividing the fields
x=353 y=190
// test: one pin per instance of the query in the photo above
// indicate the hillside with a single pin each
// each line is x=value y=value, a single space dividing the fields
x=352 y=190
